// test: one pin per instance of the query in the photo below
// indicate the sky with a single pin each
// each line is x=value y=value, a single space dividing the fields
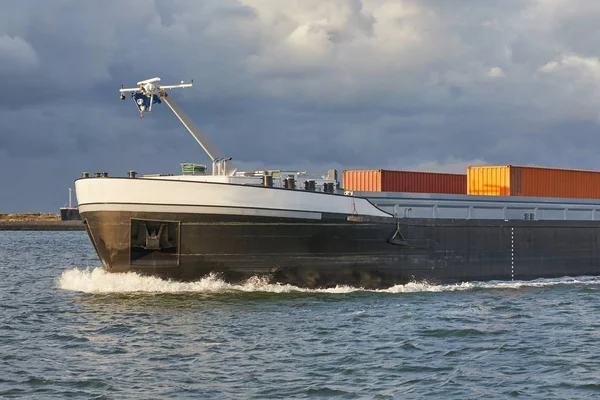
x=433 y=85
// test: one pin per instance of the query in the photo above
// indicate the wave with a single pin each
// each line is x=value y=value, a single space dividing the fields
x=98 y=280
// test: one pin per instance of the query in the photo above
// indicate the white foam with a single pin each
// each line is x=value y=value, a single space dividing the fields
x=542 y=282
x=97 y=280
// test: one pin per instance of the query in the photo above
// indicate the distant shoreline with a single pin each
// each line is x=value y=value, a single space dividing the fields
x=41 y=226
x=37 y=222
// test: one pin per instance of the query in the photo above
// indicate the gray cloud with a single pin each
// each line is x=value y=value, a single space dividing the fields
x=16 y=54
x=306 y=84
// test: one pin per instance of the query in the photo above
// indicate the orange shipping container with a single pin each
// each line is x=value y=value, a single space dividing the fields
x=511 y=180
x=403 y=181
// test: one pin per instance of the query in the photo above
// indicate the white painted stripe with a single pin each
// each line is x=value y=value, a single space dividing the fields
x=512 y=257
x=157 y=208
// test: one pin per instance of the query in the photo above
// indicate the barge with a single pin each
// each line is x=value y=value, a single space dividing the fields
x=291 y=227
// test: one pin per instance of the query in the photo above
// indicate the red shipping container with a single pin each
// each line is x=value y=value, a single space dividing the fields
x=404 y=181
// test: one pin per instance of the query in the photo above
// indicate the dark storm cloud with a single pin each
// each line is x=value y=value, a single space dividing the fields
x=307 y=84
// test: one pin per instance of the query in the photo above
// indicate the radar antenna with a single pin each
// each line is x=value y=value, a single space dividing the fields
x=149 y=92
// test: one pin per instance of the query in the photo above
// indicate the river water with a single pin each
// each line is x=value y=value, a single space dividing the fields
x=70 y=330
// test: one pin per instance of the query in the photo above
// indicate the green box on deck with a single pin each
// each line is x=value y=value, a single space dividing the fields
x=193 y=169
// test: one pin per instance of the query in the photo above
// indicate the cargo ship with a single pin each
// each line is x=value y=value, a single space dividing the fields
x=312 y=231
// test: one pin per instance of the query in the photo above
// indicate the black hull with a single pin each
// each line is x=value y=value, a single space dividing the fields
x=337 y=251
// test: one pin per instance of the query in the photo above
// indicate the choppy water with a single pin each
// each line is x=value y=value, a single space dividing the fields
x=70 y=330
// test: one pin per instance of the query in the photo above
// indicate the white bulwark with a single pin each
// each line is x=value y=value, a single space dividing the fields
x=201 y=194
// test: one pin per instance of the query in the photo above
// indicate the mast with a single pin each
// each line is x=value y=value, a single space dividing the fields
x=149 y=92
x=209 y=148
